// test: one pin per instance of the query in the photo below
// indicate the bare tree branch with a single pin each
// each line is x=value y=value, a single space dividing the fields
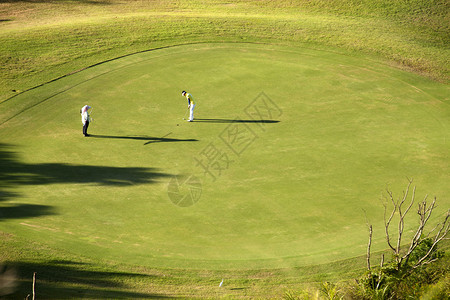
x=441 y=235
x=368 y=247
x=388 y=222
x=401 y=223
x=430 y=240
x=370 y=240
x=424 y=214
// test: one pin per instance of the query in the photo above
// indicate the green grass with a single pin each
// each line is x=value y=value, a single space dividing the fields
x=86 y=33
x=64 y=275
x=339 y=137
x=96 y=213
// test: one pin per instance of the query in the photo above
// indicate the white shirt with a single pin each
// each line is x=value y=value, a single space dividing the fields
x=85 y=115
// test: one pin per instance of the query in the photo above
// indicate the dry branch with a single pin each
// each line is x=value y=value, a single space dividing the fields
x=425 y=210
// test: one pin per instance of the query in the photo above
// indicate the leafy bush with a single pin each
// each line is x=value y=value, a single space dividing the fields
x=388 y=282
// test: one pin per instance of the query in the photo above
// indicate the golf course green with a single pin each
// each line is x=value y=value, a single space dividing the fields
x=290 y=154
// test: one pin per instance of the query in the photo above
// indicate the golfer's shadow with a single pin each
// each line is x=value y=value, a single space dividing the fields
x=149 y=139
x=261 y=121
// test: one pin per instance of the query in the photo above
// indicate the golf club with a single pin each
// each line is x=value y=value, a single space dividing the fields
x=184 y=117
x=90 y=115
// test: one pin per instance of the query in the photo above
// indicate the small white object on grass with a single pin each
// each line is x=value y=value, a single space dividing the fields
x=220 y=285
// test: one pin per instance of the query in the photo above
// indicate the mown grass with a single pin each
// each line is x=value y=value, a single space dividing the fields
x=45 y=40
x=64 y=275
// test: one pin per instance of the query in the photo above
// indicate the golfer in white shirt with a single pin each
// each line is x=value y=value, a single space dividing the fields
x=85 y=118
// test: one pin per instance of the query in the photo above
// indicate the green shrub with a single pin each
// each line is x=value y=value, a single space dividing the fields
x=430 y=281
x=439 y=290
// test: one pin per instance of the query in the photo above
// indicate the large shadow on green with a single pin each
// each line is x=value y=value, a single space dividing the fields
x=14 y=173
x=215 y=120
x=25 y=211
x=149 y=139
x=64 y=279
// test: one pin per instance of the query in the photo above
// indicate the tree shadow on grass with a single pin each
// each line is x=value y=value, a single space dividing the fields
x=53 y=173
x=236 y=121
x=14 y=173
x=5 y=195
x=149 y=139
x=61 y=279
x=25 y=211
